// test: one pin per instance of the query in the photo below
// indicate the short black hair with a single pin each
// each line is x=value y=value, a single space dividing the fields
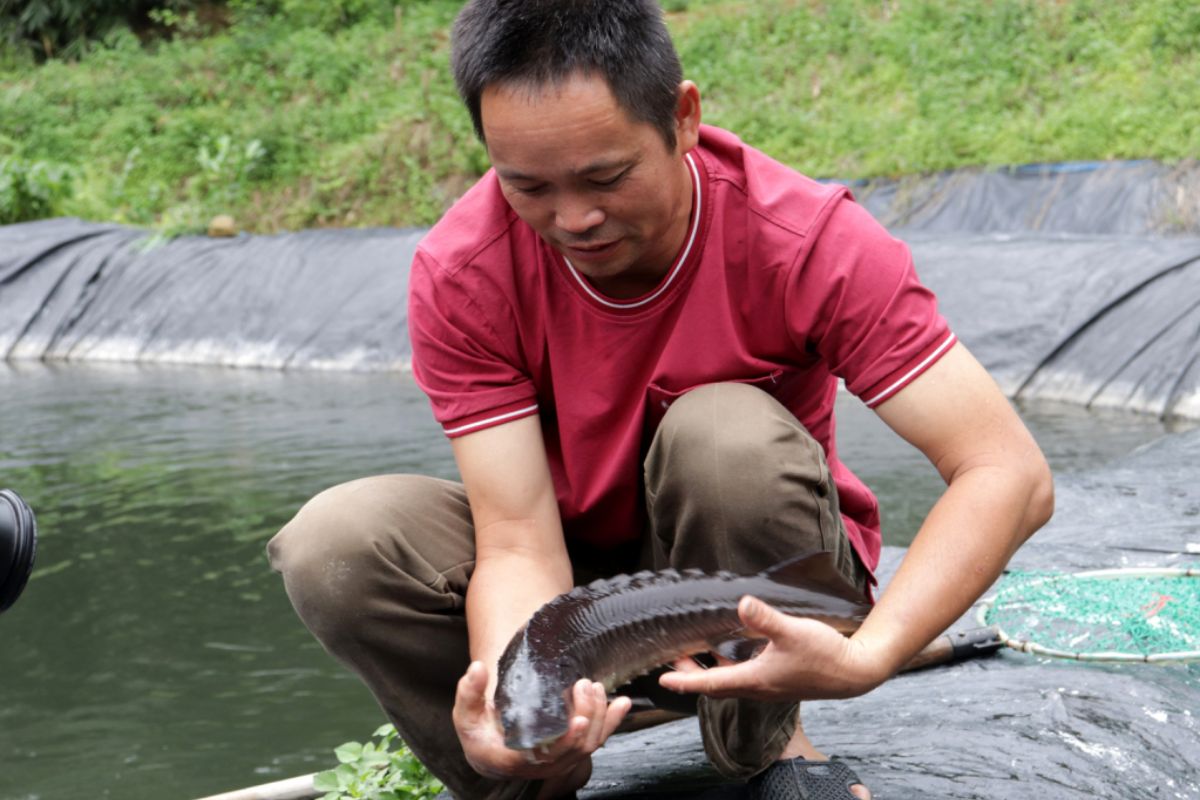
x=542 y=42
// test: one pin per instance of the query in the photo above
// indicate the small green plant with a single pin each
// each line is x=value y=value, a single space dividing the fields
x=226 y=171
x=32 y=189
x=373 y=771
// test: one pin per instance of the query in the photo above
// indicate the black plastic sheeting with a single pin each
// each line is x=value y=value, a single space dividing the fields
x=1104 y=321
x=1011 y=725
x=1048 y=273
x=1114 y=198
x=71 y=290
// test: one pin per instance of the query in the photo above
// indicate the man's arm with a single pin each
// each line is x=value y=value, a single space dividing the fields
x=520 y=563
x=999 y=491
x=520 y=555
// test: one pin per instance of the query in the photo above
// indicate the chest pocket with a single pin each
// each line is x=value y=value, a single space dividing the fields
x=659 y=400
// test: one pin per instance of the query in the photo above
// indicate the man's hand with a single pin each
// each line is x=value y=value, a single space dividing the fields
x=566 y=760
x=804 y=660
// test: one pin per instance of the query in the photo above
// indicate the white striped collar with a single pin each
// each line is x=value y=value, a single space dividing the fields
x=679 y=262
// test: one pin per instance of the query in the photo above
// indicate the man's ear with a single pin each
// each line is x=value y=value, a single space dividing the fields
x=687 y=117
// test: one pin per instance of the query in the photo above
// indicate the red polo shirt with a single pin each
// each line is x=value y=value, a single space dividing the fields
x=782 y=282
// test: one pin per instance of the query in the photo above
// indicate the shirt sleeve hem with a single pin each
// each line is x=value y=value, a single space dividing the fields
x=488 y=419
x=888 y=387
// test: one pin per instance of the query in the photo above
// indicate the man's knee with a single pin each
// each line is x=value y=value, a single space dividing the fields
x=326 y=529
x=727 y=441
x=353 y=540
x=735 y=481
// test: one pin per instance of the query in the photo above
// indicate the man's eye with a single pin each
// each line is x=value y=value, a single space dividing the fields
x=613 y=181
x=529 y=189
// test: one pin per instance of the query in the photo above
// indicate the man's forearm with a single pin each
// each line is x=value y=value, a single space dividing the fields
x=507 y=586
x=999 y=491
x=966 y=540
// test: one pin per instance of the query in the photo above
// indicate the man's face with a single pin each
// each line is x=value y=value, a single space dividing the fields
x=598 y=186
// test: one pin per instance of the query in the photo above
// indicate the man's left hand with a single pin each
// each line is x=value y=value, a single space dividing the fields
x=804 y=660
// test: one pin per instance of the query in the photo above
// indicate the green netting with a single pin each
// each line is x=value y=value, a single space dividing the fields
x=1125 y=615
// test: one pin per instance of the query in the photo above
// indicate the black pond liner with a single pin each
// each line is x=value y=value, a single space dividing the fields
x=1076 y=282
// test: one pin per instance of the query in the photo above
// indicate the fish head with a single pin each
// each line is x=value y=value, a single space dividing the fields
x=530 y=716
x=532 y=711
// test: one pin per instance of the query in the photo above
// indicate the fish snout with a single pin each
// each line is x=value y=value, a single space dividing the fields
x=532 y=712
x=531 y=727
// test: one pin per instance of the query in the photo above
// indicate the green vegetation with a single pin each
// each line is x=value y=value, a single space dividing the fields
x=67 y=28
x=298 y=113
x=31 y=190
x=375 y=772
x=278 y=122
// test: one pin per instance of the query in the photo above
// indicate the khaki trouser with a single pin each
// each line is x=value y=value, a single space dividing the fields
x=377 y=568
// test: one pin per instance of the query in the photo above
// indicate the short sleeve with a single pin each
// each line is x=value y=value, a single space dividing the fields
x=856 y=301
x=470 y=369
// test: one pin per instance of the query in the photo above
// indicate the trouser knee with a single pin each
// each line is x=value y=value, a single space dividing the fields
x=731 y=462
x=366 y=539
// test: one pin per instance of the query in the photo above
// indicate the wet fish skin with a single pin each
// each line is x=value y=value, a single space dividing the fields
x=616 y=629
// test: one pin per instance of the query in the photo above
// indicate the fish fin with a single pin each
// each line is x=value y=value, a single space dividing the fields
x=816 y=569
x=739 y=648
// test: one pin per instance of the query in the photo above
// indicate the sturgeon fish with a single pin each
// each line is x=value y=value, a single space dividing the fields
x=615 y=629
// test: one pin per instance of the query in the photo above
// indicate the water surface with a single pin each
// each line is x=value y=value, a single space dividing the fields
x=154 y=654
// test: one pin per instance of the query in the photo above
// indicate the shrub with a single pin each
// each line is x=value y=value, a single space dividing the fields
x=373 y=771
x=32 y=189
x=324 y=15
x=68 y=28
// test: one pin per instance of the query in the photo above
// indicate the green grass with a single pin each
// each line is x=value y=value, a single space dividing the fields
x=360 y=127
x=861 y=89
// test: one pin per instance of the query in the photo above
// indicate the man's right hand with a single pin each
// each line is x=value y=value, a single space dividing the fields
x=518 y=531
x=565 y=764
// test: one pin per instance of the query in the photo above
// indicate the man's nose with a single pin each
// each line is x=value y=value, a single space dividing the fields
x=577 y=217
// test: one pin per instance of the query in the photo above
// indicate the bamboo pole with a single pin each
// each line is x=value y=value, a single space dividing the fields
x=298 y=788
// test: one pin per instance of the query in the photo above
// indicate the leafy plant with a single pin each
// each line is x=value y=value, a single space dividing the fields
x=226 y=171
x=32 y=189
x=324 y=15
x=372 y=771
x=68 y=28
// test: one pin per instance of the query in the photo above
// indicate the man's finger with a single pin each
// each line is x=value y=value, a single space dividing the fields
x=715 y=682
x=616 y=712
x=581 y=720
x=472 y=687
x=761 y=618
x=596 y=722
x=577 y=728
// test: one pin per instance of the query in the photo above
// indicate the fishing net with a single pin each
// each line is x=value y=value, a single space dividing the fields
x=1106 y=615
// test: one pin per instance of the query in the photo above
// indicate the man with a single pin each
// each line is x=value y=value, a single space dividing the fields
x=633 y=329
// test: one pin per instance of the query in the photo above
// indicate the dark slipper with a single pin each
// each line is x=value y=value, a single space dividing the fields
x=800 y=779
x=18 y=545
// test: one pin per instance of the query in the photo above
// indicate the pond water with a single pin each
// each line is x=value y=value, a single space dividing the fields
x=154 y=654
